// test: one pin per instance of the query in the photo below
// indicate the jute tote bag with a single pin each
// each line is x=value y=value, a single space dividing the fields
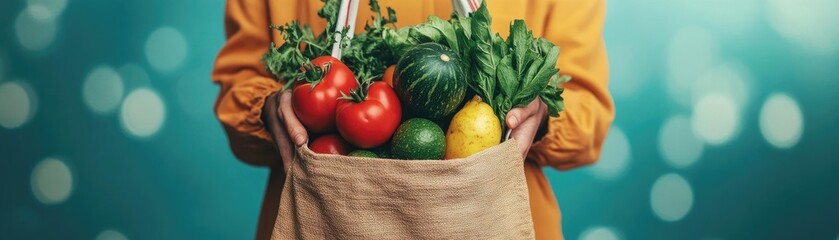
x=483 y=196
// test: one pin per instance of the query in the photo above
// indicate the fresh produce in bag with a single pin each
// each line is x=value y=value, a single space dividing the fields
x=330 y=144
x=432 y=68
x=418 y=139
x=430 y=81
x=474 y=128
x=315 y=100
x=505 y=74
x=454 y=82
x=368 y=117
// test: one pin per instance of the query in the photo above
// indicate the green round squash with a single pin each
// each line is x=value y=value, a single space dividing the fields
x=418 y=139
x=430 y=81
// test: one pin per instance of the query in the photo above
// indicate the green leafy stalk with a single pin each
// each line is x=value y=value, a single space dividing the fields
x=300 y=46
x=486 y=56
x=367 y=54
x=512 y=73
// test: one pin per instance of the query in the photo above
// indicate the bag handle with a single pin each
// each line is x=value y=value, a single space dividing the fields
x=348 y=14
x=465 y=7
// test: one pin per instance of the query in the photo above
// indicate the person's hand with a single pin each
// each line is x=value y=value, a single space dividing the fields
x=284 y=126
x=524 y=123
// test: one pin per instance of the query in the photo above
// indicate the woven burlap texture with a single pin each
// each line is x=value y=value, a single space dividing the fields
x=483 y=196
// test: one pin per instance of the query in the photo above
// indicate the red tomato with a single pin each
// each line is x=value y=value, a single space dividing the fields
x=315 y=107
x=388 y=76
x=330 y=144
x=372 y=121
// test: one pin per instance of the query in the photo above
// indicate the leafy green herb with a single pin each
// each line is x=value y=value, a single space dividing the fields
x=300 y=46
x=367 y=55
x=513 y=73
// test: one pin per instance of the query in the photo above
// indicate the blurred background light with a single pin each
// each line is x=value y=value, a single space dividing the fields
x=781 y=121
x=103 y=89
x=35 y=33
x=679 y=146
x=48 y=9
x=166 y=49
x=17 y=104
x=142 y=113
x=599 y=233
x=615 y=156
x=671 y=197
x=728 y=78
x=52 y=181
x=691 y=51
x=111 y=234
x=810 y=24
x=715 y=118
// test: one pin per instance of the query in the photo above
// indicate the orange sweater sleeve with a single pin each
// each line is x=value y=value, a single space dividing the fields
x=244 y=83
x=576 y=136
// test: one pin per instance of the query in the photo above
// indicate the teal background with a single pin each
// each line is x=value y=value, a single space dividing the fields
x=182 y=182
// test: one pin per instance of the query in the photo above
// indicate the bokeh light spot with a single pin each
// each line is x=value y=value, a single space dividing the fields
x=671 y=197
x=677 y=143
x=690 y=51
x=17 y=104
x=102 y=89
x=729 y=78
x=781 y=121
x=615 y=156
x=49 y=9
x=599 y=233
x=34 y=33
x=166 y=49
x=52 y=181
x=715 y=118
x=111 y=234
x=142 y=113
x=811 y=23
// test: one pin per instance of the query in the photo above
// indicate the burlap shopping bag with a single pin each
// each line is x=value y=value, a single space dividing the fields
x=483 y=196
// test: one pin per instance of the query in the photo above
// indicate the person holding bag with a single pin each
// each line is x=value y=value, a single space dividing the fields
x=263 y=130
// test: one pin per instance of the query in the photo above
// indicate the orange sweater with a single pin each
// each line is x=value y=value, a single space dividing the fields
x=573 y=139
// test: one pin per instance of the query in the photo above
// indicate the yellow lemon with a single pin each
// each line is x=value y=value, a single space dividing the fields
x=474 y=128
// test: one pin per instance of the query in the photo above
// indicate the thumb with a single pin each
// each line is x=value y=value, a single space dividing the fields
x=517 y=115
x=514 y=117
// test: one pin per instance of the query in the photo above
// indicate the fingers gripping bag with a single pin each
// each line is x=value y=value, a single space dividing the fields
x=483 y=196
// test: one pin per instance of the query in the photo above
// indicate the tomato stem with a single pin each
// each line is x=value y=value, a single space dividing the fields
x=360 y=94
x=314 y=74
